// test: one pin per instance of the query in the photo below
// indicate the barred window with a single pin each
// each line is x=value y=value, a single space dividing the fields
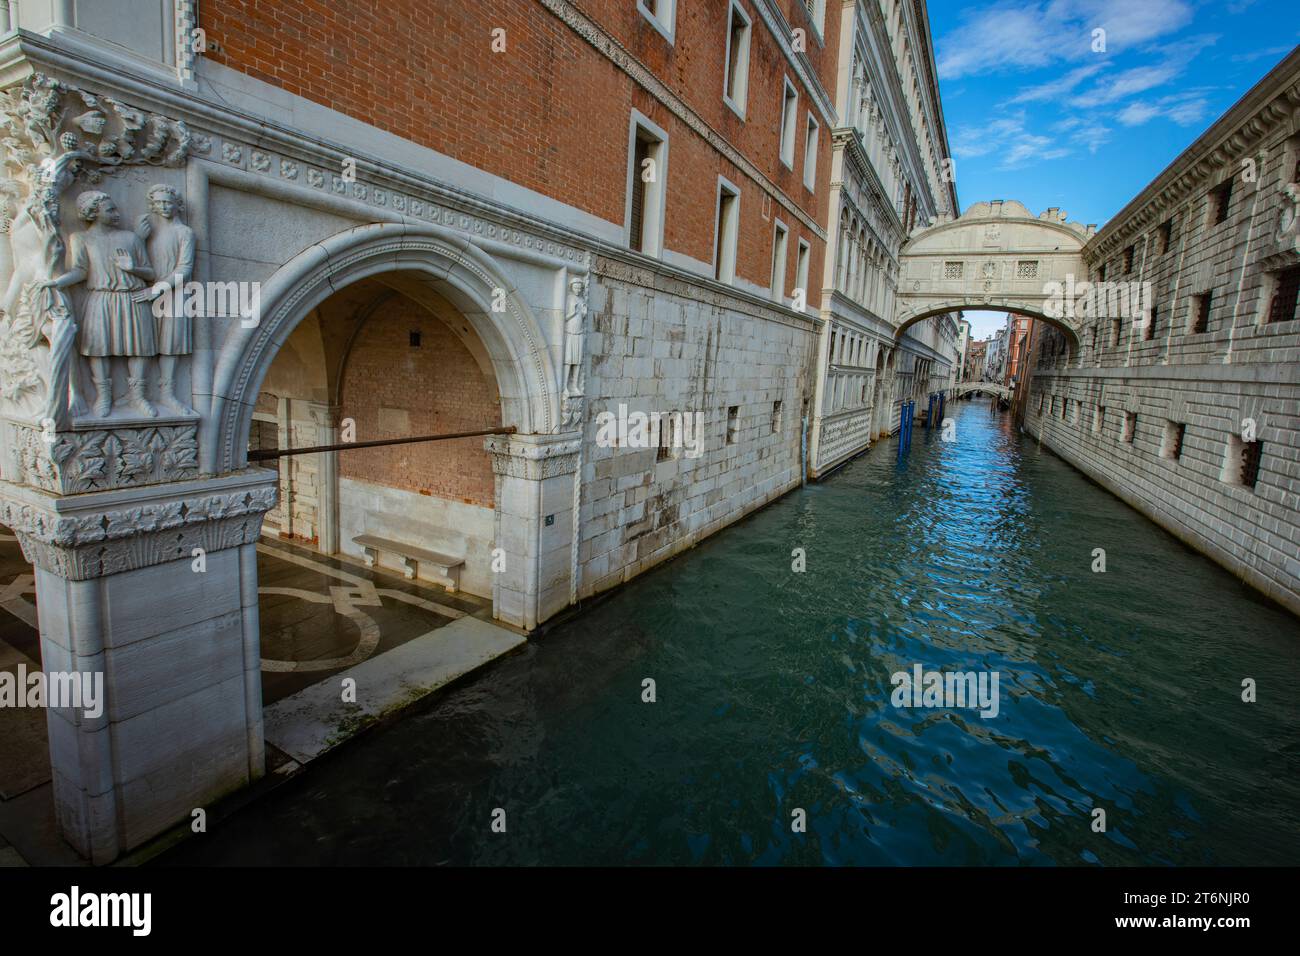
x=952 y=270
x=1027 y=269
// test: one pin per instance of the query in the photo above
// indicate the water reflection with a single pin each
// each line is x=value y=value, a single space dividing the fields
x=1119 y=691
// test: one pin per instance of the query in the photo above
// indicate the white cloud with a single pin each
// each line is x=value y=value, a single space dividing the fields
x=1014 y=145
x=1185 y=109
x=1046 y=92
x=1016 y=36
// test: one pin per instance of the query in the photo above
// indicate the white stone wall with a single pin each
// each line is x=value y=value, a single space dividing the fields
x=437 y=524
x=658 y=344
x=1243 y=370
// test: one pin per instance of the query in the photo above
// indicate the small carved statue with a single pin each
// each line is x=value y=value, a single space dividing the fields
x=116 y=318
x=171 y=251
x=574 y=327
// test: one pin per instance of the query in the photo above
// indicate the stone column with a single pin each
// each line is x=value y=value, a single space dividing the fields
x=327 y=478
x=535 y=524
x=155 y=588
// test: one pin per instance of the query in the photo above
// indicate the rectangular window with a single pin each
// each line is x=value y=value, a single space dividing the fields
x=778 y=262
x=1099 y=420
x=736 y=79
x=789 y=123
x=815 y=9
x=1241 y=461
x=647 y=173
x=1166 y=236
x=726 y=229
x=1129 y=430
x=660 y=14
x=1286 y=292
x=1221 y=201
x=1201 y=315
x=1101 y=273
x=810 y=155
x=952 y=270
x=1027 y=269
x=1171 y=446
x=1149 y=330
x=801 y=270
x=1116 y=332
x=776 y=416
x=667 y=423
x=1128 y=259
x=733 y=423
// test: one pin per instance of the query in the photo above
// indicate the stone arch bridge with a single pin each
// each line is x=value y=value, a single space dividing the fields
x=988 y=388
x=997 y=255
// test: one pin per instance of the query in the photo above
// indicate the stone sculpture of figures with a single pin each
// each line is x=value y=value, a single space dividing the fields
x=171 y=251
x=31 y=296
x=116 y=318
x=574 y=322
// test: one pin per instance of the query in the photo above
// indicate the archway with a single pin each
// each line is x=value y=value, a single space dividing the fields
x=423 y=291
x=429 y=264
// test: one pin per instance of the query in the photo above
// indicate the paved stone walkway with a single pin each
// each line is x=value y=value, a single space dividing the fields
x=321 y=617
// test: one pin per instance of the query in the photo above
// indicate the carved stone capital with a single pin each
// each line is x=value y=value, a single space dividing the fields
x=80 y=537
x=534 y=457
x=75 y=462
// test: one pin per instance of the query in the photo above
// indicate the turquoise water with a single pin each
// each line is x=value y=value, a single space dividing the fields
x=1119 y=690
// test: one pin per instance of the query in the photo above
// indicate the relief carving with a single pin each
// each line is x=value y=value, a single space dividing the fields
x=66 y=293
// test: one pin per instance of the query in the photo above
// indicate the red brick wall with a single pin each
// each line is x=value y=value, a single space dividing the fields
x=550 y=113
x=441 y=387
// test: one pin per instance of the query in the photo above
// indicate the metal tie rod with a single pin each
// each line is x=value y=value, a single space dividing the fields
x=265 y=455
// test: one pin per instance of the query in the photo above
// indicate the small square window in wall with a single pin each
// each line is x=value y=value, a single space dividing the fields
x=1241 y=460
x=1149 y=330
x=733 y=423
x=1285 y=296
x=1166 y=236
x=1201 y=314
x=1129 y=431
x=952 y=270
x=1171 y=445
x=1221 y=201
x=666 y=443
x=1027 y=269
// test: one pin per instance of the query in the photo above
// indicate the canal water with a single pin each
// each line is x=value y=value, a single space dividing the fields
x=1118 y=691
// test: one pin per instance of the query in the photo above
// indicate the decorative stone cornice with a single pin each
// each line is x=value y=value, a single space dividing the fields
x=79 y=537
x=1258 y=117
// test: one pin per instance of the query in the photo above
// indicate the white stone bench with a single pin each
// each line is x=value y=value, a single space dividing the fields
x=412 y=557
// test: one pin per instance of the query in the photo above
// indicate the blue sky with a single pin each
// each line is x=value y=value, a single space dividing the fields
x=1034 y=113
